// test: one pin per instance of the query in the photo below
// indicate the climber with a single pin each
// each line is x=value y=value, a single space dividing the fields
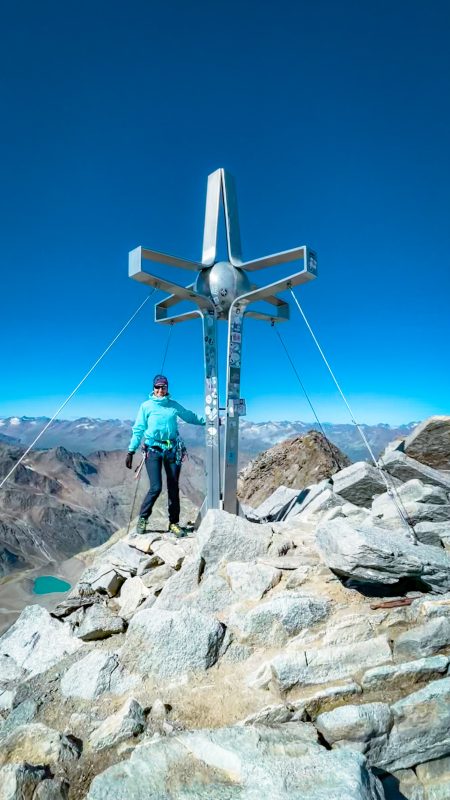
x=156 y=422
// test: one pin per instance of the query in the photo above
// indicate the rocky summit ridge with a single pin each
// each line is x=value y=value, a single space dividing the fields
x=298 y=654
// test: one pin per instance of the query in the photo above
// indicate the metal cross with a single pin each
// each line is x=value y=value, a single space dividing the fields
x=222 y=291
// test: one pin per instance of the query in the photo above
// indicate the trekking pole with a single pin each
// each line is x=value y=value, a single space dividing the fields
x=137 y=476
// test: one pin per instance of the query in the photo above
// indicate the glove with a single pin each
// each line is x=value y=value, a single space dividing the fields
x=129 y=460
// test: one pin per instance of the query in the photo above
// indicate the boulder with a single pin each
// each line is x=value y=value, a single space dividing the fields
x=180 y=584
x=251 y=581
x=125 y=557
x=156 y=578
x=52 y=789
x=323 y=502
x=429 y=443
x=421 y=729
x=225 y=537
x=277 y=505
x=306 y=496
x=423 y=640
x=359 y=483
x=405 y=468
x=24 y=712
x=38 y=744
x=104 y=578
x=169 y=553
x=36 y=642
x=435 y=533
x=356 y=726
x=99 y=622
x=421 y=492
x=19 y=781
x=248 y=761
x=324 y=700
x=172 y=643
x=129 y=721
x=406 y=674
x=97 y=673
x=375 y=555
x=322 y=665
x=434 y=776
x=273 y=621
x=133 y=592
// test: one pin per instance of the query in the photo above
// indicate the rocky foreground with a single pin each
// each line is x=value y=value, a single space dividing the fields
x=302 y=655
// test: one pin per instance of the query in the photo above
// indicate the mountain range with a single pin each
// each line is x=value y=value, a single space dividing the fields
x=86 y=435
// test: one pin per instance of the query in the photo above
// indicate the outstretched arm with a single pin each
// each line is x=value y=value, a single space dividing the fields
x=189 y=416
x=138 y=430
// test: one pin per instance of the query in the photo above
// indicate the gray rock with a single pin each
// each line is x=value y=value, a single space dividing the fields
x=275 y=620
x=434 y=776
x=132 y=594
x=429 y=442
x=322 y=503
x=180 y=584
x=403 y=783
x=169 y=553
x=213 y=595
x=157 y=577
x=225 y=537
x=283 y=562
x=246 y=762
x=306 y=496
x=99 y=622
x=375 y=555
x=324 y=700
x=36 y=641
x=275 y=506
x=20 y=715
x=421 y=730
x=298 y=577
x=322 y=665
x=251 y=581
x=9 y=669
x=423 y=640
x=129 y=721
x=421 y=492
x=404 y=468
x=406 y=674
x=385 y=507
x=143 y=541
x=359 y=483
x=124 y=557
x=356 y=726
x=38 y=744
x=105 y=579
x=434 y=533
x=97 y=673
x=18 y=781
x=171 y=643
x=52 y=789
x=270 y=715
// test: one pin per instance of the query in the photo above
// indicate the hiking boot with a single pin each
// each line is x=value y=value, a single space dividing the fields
x=141 y=524
x=176 y=530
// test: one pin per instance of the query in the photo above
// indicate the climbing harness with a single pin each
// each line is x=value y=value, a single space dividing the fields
x=46 y=427
x=390 y=487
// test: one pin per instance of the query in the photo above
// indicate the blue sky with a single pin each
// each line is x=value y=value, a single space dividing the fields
x=334 y=119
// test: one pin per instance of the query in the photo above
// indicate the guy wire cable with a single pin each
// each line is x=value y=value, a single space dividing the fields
x=13 y=469
x=333 y=455
x=391 y=490
x=167 y=348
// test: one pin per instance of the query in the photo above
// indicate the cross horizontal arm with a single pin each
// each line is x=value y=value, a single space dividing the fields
x=266 y=292
x=136 y=271
x=162 y=317
x=276 y=317
x=140 y=253
x=285 y=256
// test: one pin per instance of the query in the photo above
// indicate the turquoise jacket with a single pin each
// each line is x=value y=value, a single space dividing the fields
x=157 y=422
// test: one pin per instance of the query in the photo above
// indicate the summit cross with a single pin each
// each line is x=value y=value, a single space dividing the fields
x=222 y=291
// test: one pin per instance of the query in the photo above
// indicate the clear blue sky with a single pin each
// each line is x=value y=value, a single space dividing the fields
x=334 y=119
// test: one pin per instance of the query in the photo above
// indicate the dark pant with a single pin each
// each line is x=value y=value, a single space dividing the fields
x=154 y=463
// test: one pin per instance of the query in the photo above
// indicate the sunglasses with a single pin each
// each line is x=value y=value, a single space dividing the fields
x=157 y=388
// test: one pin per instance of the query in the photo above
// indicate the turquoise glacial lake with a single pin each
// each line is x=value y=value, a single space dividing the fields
x=46 y=584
